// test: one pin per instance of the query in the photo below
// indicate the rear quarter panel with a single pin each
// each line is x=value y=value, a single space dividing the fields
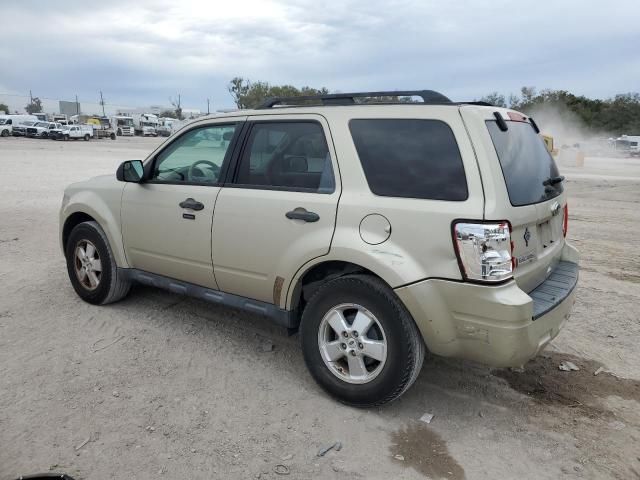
x=420 y=244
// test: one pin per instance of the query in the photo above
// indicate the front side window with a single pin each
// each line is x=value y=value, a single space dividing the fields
x=410 y=158
x=288 y=156
x=196 y=157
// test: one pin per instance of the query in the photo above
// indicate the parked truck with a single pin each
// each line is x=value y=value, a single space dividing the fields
x=146 y=124
x=123 y=125
x=167 y=126
x=42 y=129
x=73 y=132
x=60 y=118
x=102 y=127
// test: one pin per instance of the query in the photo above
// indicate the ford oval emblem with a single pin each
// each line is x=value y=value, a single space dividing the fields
x=526 y=236
x=555 y=208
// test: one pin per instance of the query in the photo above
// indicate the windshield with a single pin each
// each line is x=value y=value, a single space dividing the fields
x=3 y=121
x=125 y=122
x=28 y=123
x=526 y=164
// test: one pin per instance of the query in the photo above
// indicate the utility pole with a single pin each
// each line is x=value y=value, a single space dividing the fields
x=30 y=97
x=77 y=106
x=102 y=103
x=208 y=107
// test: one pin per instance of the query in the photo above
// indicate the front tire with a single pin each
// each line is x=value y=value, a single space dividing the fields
x=359 y=341
x=5 y=133
x=91 y=266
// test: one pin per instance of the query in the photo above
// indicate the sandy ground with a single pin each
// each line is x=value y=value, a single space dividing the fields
x=162 y=386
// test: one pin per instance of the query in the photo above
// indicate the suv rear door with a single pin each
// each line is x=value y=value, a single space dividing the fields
x=279 y=210
x=522 y=185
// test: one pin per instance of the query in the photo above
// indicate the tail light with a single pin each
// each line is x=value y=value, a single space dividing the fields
x=565 y=220
x=484 y=250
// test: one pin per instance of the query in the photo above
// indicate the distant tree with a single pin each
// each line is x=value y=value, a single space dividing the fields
x=168 y=114
x=239 y=88
x=4 y=108
x=248 y=94
x=612 y=116
x=35 y=106
x=177 y=105
x=496 y=99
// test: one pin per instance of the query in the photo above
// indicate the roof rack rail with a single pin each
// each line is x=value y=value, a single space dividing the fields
x=478 y=102
x=428 y=96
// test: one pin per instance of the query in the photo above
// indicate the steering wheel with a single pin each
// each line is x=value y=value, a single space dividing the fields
x=193 y=167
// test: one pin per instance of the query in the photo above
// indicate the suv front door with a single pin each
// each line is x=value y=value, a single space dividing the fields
x=280 y=210
x=166 y=220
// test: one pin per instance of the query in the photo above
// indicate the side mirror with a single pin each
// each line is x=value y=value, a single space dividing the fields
x=130 y=171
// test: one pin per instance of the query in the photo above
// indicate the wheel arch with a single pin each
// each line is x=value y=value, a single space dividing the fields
x=99 y=212
x=71 y=222
x=310 y=278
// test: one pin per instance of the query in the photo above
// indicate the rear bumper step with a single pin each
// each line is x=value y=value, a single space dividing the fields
x=555 y=288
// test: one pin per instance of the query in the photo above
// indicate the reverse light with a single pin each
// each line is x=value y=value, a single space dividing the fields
x=565 y=220
x=484 y=250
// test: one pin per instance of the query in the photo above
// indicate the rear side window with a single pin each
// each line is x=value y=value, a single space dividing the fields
x=526 y=163
x=287 y=156
x=410 y=158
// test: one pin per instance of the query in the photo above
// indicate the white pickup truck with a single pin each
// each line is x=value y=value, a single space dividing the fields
x=74 y=132
x=42 y=129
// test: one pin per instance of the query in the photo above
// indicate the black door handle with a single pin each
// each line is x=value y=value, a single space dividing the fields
x=191 y=204
x=302 y=214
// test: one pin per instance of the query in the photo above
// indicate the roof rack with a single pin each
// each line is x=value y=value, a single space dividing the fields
x=428 y=96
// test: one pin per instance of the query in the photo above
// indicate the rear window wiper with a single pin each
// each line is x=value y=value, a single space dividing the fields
x=553 y=180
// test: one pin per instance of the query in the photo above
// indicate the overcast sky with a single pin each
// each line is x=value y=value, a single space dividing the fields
x=142 y=52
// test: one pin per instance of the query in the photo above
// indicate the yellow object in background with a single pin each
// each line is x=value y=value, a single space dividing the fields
x=548 y=142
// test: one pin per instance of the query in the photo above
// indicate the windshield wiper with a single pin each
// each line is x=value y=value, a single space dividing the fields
x=553 y=180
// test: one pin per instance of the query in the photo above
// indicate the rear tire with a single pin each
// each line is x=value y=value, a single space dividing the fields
x=66 y=138
x=86 y=137
x=328 y=354
x=92 y=267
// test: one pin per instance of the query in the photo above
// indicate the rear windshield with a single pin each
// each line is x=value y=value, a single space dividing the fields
x=526 y=163
x=410 y=158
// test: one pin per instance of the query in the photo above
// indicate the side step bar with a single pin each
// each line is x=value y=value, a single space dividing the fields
x=284 y=318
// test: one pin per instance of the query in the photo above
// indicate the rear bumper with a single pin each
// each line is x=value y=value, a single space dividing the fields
x=498 y=325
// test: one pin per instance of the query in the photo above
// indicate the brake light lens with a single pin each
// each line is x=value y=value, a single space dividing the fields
x=484 y=250
x=565 y=220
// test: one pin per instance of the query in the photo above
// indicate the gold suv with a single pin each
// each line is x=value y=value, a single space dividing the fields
x=379 y=231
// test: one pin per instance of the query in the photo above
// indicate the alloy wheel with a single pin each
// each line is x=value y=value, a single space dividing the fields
x=352 y=343
x=88 y=266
